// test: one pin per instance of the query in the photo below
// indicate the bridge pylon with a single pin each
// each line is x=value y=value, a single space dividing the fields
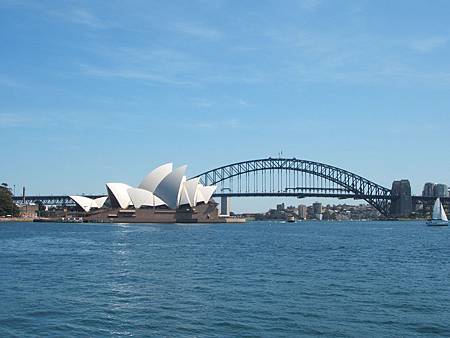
x=225 y=205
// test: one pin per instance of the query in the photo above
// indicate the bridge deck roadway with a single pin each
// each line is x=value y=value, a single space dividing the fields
x=299 y=195
x=245 y=194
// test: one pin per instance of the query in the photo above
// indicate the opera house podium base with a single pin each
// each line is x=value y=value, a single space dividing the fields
x=201 y=213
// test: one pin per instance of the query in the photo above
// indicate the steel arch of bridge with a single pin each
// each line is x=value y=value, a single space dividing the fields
x=294 y=177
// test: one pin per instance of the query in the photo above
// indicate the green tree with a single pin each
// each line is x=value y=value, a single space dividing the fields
x=41 y=208
x=7 y=206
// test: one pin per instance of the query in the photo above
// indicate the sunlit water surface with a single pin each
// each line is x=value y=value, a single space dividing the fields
x=267 y=279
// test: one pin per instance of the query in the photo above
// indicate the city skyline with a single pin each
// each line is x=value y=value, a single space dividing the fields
x=90 y=94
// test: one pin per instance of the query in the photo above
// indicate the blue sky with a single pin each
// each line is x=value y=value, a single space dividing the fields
x=93 y=92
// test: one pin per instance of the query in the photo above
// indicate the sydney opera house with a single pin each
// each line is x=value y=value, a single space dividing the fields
x=164 y=196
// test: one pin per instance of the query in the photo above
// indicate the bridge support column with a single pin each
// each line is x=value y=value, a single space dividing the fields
x=225 y=205
x=401 y=205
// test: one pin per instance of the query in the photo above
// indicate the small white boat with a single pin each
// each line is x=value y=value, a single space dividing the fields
x=290 y=219
x=72 y=219
x=439 y=217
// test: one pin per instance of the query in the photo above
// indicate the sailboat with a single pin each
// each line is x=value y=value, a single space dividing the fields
x=439 y=217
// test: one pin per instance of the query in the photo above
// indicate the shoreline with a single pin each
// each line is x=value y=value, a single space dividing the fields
x=15 y=219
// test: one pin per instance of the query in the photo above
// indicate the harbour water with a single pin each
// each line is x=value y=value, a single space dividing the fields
x=260 y=279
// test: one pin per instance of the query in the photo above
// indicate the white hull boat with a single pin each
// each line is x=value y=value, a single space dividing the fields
x=439 y=218
x=290 y=219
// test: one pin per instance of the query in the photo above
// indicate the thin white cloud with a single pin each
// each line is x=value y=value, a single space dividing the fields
x=9 y=82
x=75 y=15
x=355 y=59
x=79 y=16
x=242 y=75
x=36 y=119
x=427 y=45
x=74 y=120
x=9 y=120
x=232 y=123
x=202 y=103
x=311 y=5
x=244 y=103
x=132 y=74
x=83 y=17
x=168 y=66
x=196 y=30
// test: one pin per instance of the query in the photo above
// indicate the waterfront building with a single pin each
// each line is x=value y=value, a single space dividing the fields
x=28 y=210
x=163 y=188
x=280 y=207
x=328 y=212
x=317 y=210
x=291 y=209
x=302 y=211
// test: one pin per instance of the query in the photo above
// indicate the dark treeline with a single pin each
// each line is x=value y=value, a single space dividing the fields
x=7 y=206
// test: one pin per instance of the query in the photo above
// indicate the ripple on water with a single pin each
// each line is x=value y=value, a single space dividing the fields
x=257 y=279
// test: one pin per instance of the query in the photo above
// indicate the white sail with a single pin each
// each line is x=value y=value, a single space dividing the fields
x=443 y=215
x=438 y=211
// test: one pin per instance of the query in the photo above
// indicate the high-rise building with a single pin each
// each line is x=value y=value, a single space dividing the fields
x=302 y=211
x=317 y=210
x=280 y=207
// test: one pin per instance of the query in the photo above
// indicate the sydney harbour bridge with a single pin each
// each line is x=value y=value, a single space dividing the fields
x=291 y=177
